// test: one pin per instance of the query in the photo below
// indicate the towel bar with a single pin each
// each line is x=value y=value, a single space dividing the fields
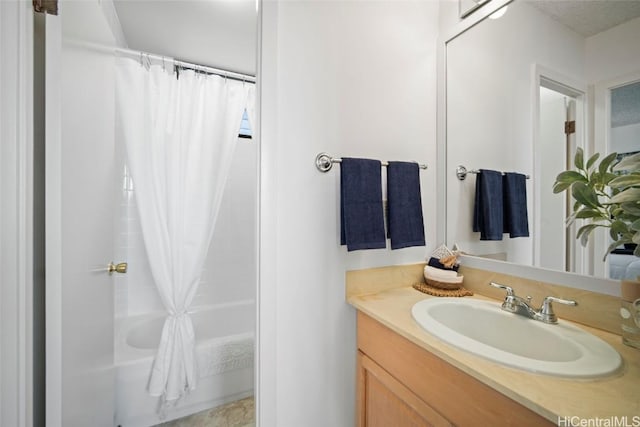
x=324 y=162
x=461 y=172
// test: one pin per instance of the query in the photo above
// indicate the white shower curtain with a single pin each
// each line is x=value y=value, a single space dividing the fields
x=180 y=135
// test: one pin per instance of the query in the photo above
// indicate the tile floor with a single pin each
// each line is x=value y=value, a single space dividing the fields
x=240 y=413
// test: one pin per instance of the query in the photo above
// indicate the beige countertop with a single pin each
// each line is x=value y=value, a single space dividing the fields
x=555 y=398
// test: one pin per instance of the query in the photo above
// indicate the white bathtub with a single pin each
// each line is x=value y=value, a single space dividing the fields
x=224 y=351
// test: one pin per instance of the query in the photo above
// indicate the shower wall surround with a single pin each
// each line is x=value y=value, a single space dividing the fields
x=230 y=268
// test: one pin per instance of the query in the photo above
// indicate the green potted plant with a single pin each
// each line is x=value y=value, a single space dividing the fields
x=606 y=193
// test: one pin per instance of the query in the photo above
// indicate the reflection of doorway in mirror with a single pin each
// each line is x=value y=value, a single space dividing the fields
x=560 y=121
x=624 y=134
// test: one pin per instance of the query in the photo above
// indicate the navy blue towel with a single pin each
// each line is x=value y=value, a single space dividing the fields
x=514 y=187
x=488 y=209
x=361 y=211
x=435 y=262
x=406 y=223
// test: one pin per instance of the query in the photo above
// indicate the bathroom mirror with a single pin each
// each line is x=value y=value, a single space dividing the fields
x=504 y=74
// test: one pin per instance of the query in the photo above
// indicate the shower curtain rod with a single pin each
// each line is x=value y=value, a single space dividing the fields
x=183 y=64
x=151 y=56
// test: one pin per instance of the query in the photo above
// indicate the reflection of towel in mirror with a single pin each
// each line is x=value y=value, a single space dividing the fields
x=406 y=223
x=361 y=211
x=514 y=187
x=488 y=209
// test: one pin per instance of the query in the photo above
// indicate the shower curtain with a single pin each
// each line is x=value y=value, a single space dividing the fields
x=179 y=132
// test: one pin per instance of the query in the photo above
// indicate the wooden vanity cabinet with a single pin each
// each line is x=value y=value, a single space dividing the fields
x=400 y=384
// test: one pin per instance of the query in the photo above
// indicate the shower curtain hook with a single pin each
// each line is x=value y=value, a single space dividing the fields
x=140 y=58
x=163 y=67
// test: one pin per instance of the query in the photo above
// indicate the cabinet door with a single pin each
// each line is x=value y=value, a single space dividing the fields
x=383 y=401
x=459 y=398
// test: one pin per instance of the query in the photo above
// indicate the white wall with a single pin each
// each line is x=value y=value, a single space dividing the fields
x=625 y=139
x=613 y=53
x=352 y=79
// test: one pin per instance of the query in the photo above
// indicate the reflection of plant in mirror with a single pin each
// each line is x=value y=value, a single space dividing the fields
x=607 y=194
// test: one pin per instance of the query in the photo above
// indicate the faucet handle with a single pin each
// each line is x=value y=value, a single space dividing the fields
x=546 y=312
x=509 y=289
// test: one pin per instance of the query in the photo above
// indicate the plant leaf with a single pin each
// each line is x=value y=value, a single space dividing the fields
x=592 y=160
x=635 y=225
x=625 y=181
x=588 y=213
x=578 y=159
x=559 y=187
x=606 y=178
x=636 y=251
x=636 y=238
x=611 y=247
x=631 y=208
x=614 y=235
x=619 y=227
x=631 y=194
x=628 y=163
x=606 y=162
x=571 y=177
x=585 y=195
x=576 y=206
x=583 y=233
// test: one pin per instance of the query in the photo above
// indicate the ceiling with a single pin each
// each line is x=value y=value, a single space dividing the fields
x=589 y=17
x=218 y=33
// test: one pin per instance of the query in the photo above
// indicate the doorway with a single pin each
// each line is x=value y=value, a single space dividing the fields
x=91 y=221
x=560 y=129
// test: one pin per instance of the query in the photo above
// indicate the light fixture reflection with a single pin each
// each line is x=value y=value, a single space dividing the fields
x=499 y=13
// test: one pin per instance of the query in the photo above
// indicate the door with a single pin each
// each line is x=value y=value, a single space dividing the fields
x=80 y=193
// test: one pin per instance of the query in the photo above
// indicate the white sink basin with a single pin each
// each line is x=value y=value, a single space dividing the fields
x=482 y=328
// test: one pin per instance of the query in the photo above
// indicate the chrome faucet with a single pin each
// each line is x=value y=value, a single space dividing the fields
x=518 y=305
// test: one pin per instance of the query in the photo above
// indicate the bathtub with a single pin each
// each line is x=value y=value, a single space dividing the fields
x=224 y=352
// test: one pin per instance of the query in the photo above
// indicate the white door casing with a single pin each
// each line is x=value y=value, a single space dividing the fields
x=16 y=213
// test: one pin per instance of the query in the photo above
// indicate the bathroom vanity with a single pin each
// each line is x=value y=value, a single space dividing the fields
x=400 y=383
x=406 y=376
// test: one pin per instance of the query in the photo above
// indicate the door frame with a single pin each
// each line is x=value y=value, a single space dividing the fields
x=549 y=78
x=16 y=213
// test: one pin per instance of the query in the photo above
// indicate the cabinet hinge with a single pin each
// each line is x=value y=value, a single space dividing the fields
x=46 y=6
x=570 y=127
